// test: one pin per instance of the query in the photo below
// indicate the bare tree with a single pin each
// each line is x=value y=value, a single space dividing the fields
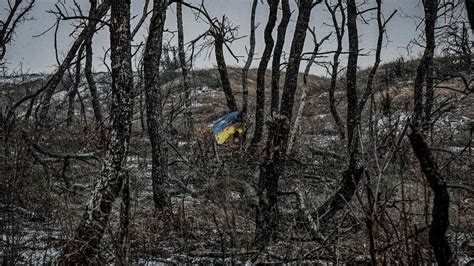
x=219 y=32
x=16 y=14
x=56 y=78
x=340 y=30
x=351 y=79
x=88 y=70
x=248 y=63
x=291 y=78
x=297 y=125
x=223 y=33
x=355 y=107
x=262 y=69
x=184 y=71
x=278 y=134
x=84 y=248
x=156 y=133
x=267 y=216
x=440 y=213
x=424 y=71
x=280 y=41
x=74 y=88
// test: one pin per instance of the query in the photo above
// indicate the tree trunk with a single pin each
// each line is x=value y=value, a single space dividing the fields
x=426 y=62
x=156 y=133
x=354 y=172
x=280 y=41
x=248 y=63
x=267 y=191
x=262 y=69
x=85 y=247
x=88 y=72
x=184 y=71
x=56 y=78
x=122 y=241
x=75 y=86
x=470 y=12
x=291 y=78
x=351 y=79
x=224 y=75
x=297 y=125
x=339 y=29
x=440 y=213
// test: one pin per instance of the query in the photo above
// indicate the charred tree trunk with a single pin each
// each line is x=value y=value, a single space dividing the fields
x=267 y=191
x=262 y=69
x=122 y=241
x=351 y=79
x=56 y=78
x=440 y=213
x=339 y=29
x=280 y=41
x=370 y=79
x=156 y=133
x=354 y=172
x=431 y=10
x=248 y=63
x=224 y=75
x=278 y=134
x=88 y=72
x=184 y=71
x=291 y=78
x=470 y=12
x=426 y=63
x=75 y=86
x=85 y=247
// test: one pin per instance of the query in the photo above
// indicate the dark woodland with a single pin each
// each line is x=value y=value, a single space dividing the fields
x=338 y=162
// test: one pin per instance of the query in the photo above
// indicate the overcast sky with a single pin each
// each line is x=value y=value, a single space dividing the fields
x=37 y=53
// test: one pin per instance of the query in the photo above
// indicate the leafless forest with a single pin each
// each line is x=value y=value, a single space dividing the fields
x=358 y=165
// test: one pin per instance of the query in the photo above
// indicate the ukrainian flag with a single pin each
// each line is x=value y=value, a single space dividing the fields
x=228 y=125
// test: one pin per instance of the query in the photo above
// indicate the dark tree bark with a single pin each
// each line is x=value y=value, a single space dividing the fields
x=248 y=63
x=470 y=12
x=426 y=64
x=85 y=247
x=278 y=134
x=262 y=69
x=56 y=78
x=339 y=29
x=15 y=15
x=88 y=70
x=280 y=41
x=291 y=78
x=122 y=241
x=351 y=79
x=440 y=213
x=267 y=190
x=75 y=86
x=184 y=71
x=222 y=33
x=223 y=73
x=350 y=178
x=156 y=133
x=355 y=170
x=431 y=14
x=370 y=79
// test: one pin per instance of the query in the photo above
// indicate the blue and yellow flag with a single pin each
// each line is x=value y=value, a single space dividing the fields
x=228 y=125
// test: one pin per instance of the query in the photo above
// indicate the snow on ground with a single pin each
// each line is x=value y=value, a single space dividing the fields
x=33 y=247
